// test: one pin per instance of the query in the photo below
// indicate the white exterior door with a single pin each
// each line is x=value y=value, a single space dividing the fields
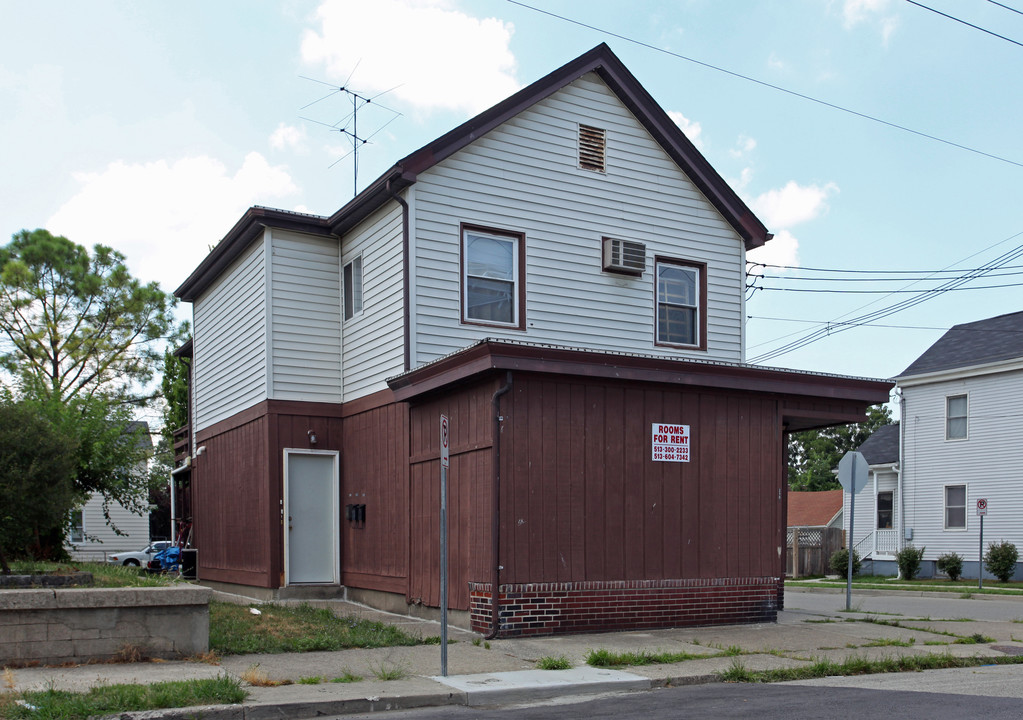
x=311 y=516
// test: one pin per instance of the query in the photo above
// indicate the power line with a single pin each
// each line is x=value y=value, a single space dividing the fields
x=1010 y=9
x=873 y=272
x=968 y=24
x=846 y=291
x=766 y=84
x=1000 y=331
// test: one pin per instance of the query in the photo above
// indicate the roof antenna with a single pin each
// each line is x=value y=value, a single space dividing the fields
x=349 y=124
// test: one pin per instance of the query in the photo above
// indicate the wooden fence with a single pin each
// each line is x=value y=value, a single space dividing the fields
x=808 y=550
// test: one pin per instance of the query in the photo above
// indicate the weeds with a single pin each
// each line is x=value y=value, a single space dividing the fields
x=555 y=662
x=347 y=677
x=258 y=678
x=310 y=680
x=606 y=658
x=389 y=671
x=975 y=639
x=891 y=642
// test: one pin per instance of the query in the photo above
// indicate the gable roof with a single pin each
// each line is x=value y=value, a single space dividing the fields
x=969 y=344
x=882 y=447
x=813 y=509
x=600 y=60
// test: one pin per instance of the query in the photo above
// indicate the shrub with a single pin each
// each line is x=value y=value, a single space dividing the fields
x=909 y=559
x=839 y=562
x=1000 y=560
x=952 y=565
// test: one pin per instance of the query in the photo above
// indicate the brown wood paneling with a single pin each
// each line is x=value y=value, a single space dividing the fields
x=469 y=491
x=232 y=530
x=375 y=473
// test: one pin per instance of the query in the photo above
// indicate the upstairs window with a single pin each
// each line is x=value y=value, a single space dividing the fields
x=956 y=417
x=353 y=287
x=681 y=288
x=955 y=507
x=492 y=277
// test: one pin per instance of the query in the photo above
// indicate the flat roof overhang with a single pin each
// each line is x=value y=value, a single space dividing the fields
x=848 y=397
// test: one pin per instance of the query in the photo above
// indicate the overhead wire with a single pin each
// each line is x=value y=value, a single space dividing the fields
x=764 y=83
x=968 y=24
x=1002 y=5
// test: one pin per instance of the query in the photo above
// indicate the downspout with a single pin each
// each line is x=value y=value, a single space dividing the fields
x=902 y=467
x=495 y=505
x=406 y=311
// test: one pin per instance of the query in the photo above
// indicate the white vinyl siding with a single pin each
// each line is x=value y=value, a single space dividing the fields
x=987 y=462
x=229 y=372
x=524 y=177
x=101 y=539
x=879 y=481
x=373 y=342
x=305 y=332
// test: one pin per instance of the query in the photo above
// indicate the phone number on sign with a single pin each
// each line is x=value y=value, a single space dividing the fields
x=671 y=454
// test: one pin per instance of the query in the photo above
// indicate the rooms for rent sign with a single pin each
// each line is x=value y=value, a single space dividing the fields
x=670 y=443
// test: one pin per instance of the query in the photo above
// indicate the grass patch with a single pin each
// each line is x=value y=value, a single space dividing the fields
x=553 y=662
x=825 y=620
x=347 y=677
x=278 y=629
x=966 y=588
x=975 y=639
x=104 y=575
x=606 y=658
x=258 y=678
x=310 y=680
x=389 y=671
x=861 y=666
x=110 y=699
x=891 y=642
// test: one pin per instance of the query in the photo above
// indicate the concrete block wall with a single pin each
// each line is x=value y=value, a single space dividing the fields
x=52 y=626
x=554 y=608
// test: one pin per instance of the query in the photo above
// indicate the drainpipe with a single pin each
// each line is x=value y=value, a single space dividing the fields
x=406 y=313
x=495 y=504
x=902 y=467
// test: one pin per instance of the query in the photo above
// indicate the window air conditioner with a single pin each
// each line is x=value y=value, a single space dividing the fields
x=624 y=256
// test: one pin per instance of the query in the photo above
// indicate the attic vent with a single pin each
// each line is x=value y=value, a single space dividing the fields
x=624 y=256
x=592 y=148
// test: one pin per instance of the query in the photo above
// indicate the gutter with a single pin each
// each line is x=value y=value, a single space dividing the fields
x=495 y=505
x=406 y=298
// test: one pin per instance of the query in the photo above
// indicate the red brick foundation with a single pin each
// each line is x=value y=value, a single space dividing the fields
x=552 y=608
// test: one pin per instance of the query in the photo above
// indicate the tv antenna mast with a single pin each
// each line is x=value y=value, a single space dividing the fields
x=349 y=124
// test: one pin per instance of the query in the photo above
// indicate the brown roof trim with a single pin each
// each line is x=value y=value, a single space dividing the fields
x=496 y=355
x=247 y=229
x=624 y=84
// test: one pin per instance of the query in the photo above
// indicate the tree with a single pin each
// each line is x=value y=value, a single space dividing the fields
x=37 y=467
x=78 y=324
x=814 y=454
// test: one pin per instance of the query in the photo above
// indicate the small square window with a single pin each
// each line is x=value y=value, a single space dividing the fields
x=956 y=417
x=955 y=507
x=353 y=287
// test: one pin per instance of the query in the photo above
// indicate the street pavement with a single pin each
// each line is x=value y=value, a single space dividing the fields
x=813 y=626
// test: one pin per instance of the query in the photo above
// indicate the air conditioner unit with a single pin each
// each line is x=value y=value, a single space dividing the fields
x=624 y=256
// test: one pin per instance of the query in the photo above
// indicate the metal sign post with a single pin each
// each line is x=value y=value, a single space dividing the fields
x=852 y=474
x=445 y=461
x=981 y=512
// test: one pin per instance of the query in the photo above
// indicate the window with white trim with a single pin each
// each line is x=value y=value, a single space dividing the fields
x=955 y=507
x=77 y=534
x=678 y=303
x=957 y=408
x=492 y=277
x=885 y=504
x=352 y=279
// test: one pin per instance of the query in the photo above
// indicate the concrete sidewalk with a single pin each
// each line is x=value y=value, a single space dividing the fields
x=505 y=672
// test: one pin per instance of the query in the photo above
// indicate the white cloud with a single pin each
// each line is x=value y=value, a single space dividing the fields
x=691 y=128
x=288 y=137
x=782 y=249
x=857 y=12
x=793 y=204
x=437 y=56
x=744 y=144
x=776 y=63
x=165 y=215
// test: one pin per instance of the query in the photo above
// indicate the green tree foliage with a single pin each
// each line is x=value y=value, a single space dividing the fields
x=78 y=324
x=175 y=392
x=814 y=454
x=37 y=467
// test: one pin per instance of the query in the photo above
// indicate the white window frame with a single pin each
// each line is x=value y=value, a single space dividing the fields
x=966 y=417
x=877 y=510
x=80 y=512
x=945 y=506
x=353 y=309
x=697 y=307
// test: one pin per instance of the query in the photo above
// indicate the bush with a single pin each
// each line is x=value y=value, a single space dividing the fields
x=952 y=565
x=1000 y=560
x=909 y=559
x=839 y=562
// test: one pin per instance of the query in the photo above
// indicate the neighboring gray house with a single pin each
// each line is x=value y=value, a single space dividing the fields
x=960 y=438
x=92 y=537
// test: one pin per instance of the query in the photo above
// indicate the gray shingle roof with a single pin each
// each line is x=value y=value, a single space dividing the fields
x=976 y=343
x=882 y=447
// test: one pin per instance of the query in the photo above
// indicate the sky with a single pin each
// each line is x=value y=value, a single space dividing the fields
x=151 y=127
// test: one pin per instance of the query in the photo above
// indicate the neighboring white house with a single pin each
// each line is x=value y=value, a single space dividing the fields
x=960 y=438
x=93 y=538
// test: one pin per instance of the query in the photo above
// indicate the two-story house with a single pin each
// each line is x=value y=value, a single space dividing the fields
x=957 y=443
x=562 y=277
